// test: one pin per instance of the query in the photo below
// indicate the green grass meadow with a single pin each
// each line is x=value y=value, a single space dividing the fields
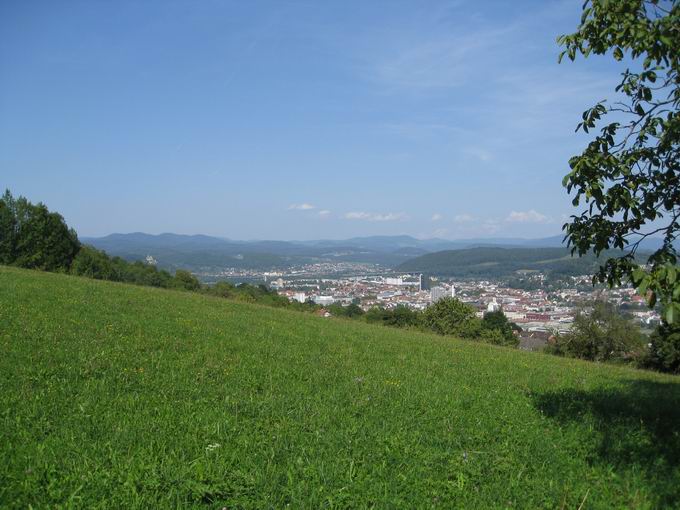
x=115 y=396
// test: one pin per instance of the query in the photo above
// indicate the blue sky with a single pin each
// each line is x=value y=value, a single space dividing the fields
x=294 y=119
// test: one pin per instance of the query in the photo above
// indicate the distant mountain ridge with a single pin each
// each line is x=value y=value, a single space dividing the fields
x=377 y=243
x=202 y=252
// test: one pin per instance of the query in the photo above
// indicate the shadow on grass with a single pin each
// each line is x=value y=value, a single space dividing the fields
x=636 y=428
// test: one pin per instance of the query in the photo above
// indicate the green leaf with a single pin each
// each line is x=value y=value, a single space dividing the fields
x=637 y=275
x=643 y=286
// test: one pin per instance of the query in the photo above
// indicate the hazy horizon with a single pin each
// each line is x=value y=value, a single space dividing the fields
x=291 y=240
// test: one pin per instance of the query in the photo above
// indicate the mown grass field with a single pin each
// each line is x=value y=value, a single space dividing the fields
x=115 y=396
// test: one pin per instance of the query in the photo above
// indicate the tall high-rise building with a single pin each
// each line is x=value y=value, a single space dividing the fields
x=437 y=293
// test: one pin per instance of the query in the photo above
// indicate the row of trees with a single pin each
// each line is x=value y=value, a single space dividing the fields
x=33 y=237
x=450 y=316
x=260 y=294
x=93 y=263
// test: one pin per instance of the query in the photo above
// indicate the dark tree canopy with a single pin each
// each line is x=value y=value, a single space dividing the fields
x=400 y=317
x=185 y=280
x=450 y=316
x=600 y=333
x=94 y=263
x=498 y=321
x=628 y=176
x=33 y=237
x=664 y=350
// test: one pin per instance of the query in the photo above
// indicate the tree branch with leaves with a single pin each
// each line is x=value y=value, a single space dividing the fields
x=628 y=176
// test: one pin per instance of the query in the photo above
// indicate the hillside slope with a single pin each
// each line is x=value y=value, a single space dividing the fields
x=128 y=397
x=200 y=253
x=499 y=262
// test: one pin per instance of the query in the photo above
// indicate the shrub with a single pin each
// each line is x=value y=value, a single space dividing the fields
x=664 y=350
x=498 y=329
x=186 y=281
x=400 y=317
x=599 y=333
x=450 y=316
x=93 y=263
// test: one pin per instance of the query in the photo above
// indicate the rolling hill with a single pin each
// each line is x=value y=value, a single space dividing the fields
x=500 y=262
x=201 y=252
x=198 y=252
x=115 y=396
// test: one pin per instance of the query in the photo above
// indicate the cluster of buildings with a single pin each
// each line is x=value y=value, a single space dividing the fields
x=296 y=272
x=537 y=310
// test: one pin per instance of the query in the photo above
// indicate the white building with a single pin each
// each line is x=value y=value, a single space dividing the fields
x=437 y=293
x=493 y=306
x=388 y=294
x=324 y=300
x=301 y=297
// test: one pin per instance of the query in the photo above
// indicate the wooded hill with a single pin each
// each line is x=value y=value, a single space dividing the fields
x=499 y=262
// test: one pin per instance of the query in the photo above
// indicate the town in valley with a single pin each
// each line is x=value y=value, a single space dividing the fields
x=539 y=306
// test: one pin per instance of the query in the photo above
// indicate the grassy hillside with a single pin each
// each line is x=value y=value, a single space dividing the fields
x=130 y=397
x=499 y=262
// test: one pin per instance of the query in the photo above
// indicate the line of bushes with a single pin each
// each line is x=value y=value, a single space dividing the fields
x=450 y=316
x=33 y=237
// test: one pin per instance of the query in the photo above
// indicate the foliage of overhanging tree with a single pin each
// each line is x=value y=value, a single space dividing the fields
x=629 y=174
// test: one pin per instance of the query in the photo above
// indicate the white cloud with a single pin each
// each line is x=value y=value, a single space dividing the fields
x=301 y=207
x=530 y=216
x=462 y=218
x=481 y=154
x=436 y=217
x=490 y=226
x=438 y=60
x=324 y=212
x=366 y=216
